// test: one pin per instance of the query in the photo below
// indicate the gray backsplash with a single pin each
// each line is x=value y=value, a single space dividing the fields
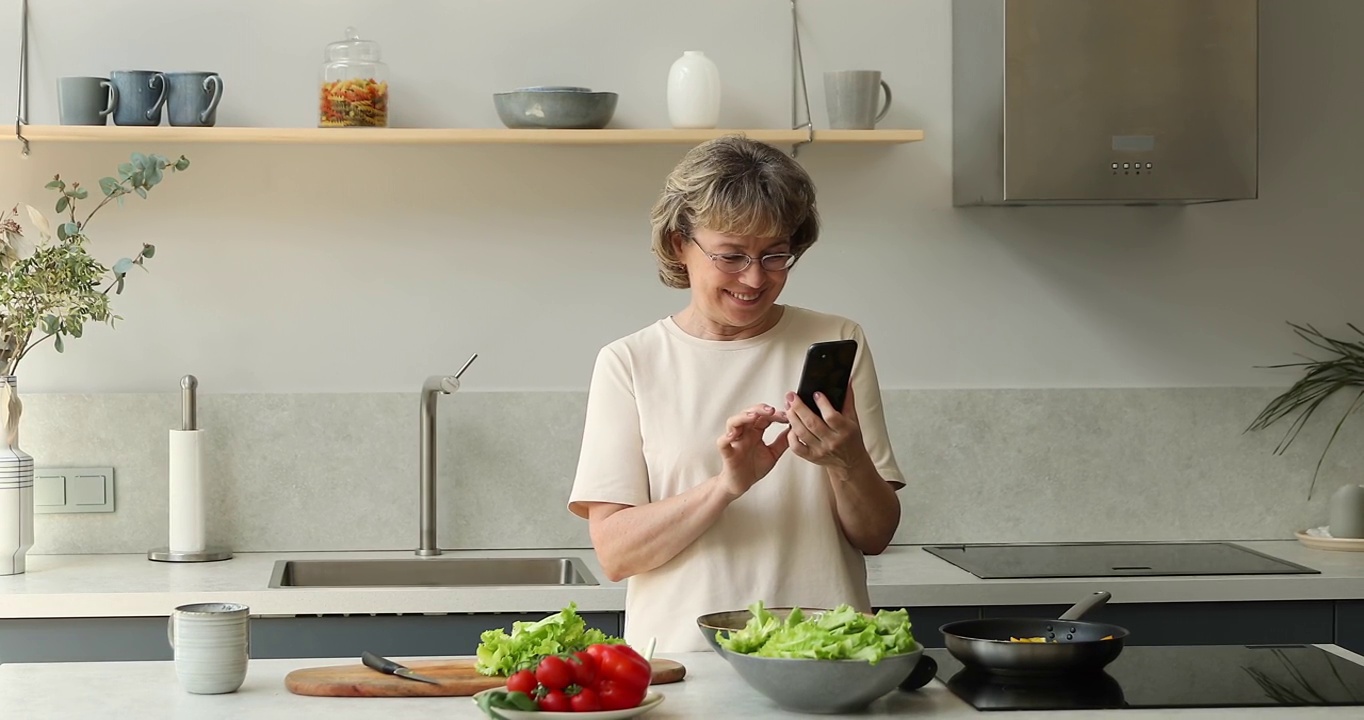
x=339 y=471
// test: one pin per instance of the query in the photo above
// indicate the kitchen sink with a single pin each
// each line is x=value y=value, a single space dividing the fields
x=431 y=572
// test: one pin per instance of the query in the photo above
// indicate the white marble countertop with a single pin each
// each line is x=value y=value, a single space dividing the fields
x=132 y=585
x=148 y=690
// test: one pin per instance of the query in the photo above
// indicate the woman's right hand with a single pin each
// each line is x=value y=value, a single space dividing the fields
x=747 y=458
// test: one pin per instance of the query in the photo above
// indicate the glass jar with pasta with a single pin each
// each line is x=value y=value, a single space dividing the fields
x=354 y=84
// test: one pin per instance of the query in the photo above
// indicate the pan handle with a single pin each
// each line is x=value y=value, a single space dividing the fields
x=1084 y=606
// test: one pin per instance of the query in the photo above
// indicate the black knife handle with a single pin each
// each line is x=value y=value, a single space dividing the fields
x=383 y=665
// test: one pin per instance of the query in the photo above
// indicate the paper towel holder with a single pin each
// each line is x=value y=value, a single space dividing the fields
x=189 y=422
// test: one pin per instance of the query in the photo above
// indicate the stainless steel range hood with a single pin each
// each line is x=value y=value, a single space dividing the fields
x=1108 y=102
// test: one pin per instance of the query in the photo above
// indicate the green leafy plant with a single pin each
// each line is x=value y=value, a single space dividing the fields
x=1345 y=369
x=53 y=290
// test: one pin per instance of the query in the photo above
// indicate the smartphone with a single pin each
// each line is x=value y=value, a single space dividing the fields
x=828 y=369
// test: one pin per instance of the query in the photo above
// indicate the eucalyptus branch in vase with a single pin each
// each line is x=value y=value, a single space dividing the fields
x=1322 y=380
x=53 y=288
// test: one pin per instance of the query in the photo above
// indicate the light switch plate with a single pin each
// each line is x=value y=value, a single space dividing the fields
x=73 y=490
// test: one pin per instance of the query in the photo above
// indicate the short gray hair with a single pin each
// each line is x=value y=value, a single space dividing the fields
x=738 y=186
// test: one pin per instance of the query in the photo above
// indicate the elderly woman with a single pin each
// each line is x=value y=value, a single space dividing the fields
x=686 y=492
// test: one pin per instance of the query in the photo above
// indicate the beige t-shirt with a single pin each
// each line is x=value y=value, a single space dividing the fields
x=659 y=400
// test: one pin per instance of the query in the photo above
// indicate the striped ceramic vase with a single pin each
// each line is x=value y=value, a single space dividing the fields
x=16 y=484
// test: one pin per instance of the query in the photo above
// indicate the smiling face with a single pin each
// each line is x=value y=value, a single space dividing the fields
x=732 y=199
x=730 y=305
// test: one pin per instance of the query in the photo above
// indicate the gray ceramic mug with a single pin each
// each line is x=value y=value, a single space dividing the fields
x=85 y=100
x=141 y=95
x=193 y=98
x=212 y=646
x=852 y=96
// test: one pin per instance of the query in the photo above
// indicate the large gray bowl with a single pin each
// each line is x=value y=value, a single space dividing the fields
x=810 y=686
x=823 y=686
x=568 y=108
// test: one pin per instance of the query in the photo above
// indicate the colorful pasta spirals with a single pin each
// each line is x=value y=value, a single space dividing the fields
x=354 y=102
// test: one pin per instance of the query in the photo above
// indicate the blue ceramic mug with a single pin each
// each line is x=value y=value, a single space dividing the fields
x=141 y=95
x=193 y=98
x=85 y=100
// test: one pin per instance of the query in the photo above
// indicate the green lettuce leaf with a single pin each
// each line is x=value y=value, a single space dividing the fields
x=564 y=632
x=841 y=633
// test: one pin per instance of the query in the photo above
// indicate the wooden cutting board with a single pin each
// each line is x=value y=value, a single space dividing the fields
x=457 y=676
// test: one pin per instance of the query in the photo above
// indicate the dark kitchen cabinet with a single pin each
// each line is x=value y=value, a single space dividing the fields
x=144 y=638
x=1205 y=623
x=1350 y=625
x=395 y=635
x=1214 y=623
x=925 y=621
x=83 y=639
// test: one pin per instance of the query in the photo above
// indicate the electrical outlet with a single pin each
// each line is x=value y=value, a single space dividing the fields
x=73 y=490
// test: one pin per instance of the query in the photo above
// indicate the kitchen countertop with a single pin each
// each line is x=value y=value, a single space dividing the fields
x=711 y=690
x=132 y=585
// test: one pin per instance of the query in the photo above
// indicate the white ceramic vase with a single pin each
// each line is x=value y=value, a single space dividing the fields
x=694 y=91
x=16 y=484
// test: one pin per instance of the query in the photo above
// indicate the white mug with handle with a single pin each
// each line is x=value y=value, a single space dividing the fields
x=212 y=643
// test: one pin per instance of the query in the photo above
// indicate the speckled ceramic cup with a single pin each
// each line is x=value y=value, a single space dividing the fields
x=212 y=644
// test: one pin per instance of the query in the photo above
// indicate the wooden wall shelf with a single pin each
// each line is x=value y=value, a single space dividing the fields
x=444 y=136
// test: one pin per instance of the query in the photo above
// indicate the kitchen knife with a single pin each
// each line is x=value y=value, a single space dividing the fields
x=384 y=665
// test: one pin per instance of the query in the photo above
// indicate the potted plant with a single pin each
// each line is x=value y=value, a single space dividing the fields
x=1321 y=380
x=49 y=290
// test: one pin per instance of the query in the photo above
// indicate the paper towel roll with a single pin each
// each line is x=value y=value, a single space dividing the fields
x=186 y=492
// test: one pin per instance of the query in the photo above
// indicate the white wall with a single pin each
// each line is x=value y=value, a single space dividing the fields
x=330 y=269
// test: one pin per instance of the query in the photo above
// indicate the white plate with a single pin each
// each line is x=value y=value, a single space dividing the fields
x=1319 y=539
x=651 y=701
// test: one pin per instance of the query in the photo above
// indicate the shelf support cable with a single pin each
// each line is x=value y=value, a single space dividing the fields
x=798 y=84
x=21 y=112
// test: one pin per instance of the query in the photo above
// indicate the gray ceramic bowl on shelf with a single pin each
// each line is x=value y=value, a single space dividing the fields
x=555 y=107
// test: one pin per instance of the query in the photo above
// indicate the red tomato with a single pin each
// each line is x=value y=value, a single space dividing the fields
x=584 y=669
x=554 y=672
x=619 y=695
x=585 y=701
x=522 y=681
x=555 y=701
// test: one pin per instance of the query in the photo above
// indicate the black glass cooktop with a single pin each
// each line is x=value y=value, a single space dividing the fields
x=1186 y=676
x=1117 y=559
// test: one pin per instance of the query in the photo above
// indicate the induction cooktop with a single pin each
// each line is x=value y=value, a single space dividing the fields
x=1112 y=559
x=1183 y=676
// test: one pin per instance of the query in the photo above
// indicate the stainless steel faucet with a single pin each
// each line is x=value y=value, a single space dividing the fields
x=434 y=386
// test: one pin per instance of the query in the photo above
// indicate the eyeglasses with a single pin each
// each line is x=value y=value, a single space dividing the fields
x=739 y=262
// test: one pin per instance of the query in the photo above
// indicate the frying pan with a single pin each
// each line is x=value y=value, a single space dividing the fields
x=1072 y=645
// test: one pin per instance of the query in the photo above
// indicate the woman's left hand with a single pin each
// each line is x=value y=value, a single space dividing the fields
x=832 y=441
